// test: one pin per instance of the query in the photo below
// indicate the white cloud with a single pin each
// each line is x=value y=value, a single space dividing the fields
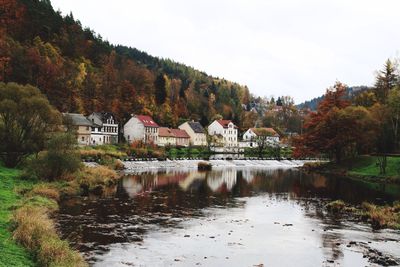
x=288 y=47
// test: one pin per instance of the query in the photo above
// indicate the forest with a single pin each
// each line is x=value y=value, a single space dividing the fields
x=81 y=72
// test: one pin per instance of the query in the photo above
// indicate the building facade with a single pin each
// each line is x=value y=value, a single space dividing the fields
x=252 y=135
x=81 y=127
x=166 y=137
x=182 y=138
x=196 y=133
x=141 y=128
x=226 y=131
x=104 y=129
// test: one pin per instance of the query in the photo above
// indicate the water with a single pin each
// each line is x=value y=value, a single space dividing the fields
x=226 y=217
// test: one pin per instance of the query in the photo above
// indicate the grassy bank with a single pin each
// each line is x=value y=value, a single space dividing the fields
x=387 y=216
x=362 y=167
x=11 y=253
x=28 y=236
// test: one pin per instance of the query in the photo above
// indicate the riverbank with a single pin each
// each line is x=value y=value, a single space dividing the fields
x=28 y=233
x=11 y=253
x=379 y=217
x=362 y=167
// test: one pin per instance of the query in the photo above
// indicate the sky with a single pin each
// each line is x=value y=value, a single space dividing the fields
x=286 y=47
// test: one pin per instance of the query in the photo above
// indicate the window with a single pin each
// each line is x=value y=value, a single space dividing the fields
x=87 y=128
x=83 y=138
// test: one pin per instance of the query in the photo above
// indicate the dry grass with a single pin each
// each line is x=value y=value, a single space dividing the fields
x=46 y=190
x=96 y=178
x=36 y=231
x=382 y=217
x=336 y=206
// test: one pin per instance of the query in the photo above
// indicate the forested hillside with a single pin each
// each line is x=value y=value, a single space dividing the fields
x=350 y=93
x=80 y=72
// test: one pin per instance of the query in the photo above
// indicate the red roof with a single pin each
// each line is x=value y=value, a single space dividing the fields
x=180 y=133
x=165 y=132
x=225 y=123
x=147 y=121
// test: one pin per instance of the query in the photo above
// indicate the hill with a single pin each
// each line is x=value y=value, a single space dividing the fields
x=80 y=72
x=350 y=93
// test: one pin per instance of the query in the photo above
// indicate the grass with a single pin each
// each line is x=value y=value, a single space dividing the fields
x=366 y=166
x=378 y=216
x=11 y=253
x=28 y=236
x=95 y=179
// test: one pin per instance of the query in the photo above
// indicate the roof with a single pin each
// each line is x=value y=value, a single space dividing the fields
x=225 y=123
x=147 y=121
x=104 y=116
x=196 y=126
x=180 y=133
x=78 y=119
x=165 y=132
x=261 y=131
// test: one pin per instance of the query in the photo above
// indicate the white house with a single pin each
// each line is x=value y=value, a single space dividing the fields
x=141 y=128
x=252 y=135
x=196 y=132
x=104 y=129
x=226 y=130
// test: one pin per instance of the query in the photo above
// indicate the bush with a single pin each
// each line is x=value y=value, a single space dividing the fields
x=46 y=190
x=59 y=161
x=95 y=179
x=336 y=206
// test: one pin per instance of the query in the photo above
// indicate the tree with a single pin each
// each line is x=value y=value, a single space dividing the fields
x=386 y=80
x=336 y=128
x=394 y=111
x=26 y=119
x=262 y=140
x=161 y=89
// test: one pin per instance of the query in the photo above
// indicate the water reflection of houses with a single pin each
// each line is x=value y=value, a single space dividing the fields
x=216 y=180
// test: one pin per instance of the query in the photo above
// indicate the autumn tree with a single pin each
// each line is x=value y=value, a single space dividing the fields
x=336 y=128
x=26 y=119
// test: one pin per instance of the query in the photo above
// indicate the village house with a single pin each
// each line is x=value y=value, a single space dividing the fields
x=104 y=129
x=141 y=128
x=252 y=136
x=227 y=131
x=182 y=137
x=196 y=132
x=166 y=137
x=80 y=125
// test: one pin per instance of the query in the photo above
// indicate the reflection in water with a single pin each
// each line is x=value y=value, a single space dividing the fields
x=151 y=202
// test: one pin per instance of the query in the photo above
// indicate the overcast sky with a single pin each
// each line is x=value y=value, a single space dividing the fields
x=285 y=47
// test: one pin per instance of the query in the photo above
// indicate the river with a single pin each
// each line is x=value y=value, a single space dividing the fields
x=227 y=217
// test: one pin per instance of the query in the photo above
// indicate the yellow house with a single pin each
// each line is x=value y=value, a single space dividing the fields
x=81 y=125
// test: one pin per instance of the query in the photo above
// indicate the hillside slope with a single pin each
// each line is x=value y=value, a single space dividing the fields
x=80 y=72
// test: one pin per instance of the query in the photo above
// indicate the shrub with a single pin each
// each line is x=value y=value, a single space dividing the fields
x=336 y=206
x=60 y=160
x=92 y=179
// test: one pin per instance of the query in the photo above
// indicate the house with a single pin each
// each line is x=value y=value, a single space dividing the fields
x=80 y=125
x=104 y=129
x=141 y=128
x=227 y=131
x=252 y=135
x=182 y=137
x=196 y=132
x=166 y=137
